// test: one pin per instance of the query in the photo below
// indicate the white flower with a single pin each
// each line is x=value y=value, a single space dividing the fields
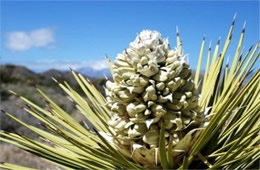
x=152 y=87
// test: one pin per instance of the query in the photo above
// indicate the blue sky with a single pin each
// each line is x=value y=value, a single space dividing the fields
x=63 y=34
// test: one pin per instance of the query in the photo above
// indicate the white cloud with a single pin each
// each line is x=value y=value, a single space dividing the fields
x=22 y=41
x=99 y=65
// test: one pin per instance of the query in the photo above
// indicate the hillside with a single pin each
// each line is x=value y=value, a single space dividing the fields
x=23 y=81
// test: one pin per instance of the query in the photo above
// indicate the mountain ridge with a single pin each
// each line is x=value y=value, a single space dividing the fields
x=20 y=71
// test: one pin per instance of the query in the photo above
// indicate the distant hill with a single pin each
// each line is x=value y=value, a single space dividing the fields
x=22 y=81
x=95 y=73
x=14 y=74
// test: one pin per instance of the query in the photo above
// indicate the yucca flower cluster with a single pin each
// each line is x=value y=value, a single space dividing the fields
x=152 y=88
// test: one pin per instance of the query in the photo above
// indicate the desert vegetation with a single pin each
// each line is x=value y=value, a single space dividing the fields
x=24 y=81
x=153 y=115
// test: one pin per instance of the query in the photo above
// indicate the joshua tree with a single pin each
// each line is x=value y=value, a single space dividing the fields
x=154 y=115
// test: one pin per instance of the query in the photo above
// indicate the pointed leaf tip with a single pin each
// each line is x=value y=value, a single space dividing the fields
x=126 y=51
x=55 y=80
x=34 y=85
x=218 y=40
x=244 y=27
x=234 y=19
x=29 y=107
x=11 y=91
x=251 y=47
x=209 y=45
x=227 y=61
x=240 y=58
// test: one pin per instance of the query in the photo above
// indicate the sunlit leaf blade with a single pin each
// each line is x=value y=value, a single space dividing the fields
x=13 y=166
x=197 y=73
x=162 y=149
x=83 y=143
x=205 y=161
x=179 y=43
x=238 y=50
x=110 y=65
x=207 y=66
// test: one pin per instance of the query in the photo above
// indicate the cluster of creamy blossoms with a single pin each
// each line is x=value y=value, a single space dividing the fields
x=152 y=88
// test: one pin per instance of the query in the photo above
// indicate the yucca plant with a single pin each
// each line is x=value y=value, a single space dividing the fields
x=154 y=115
